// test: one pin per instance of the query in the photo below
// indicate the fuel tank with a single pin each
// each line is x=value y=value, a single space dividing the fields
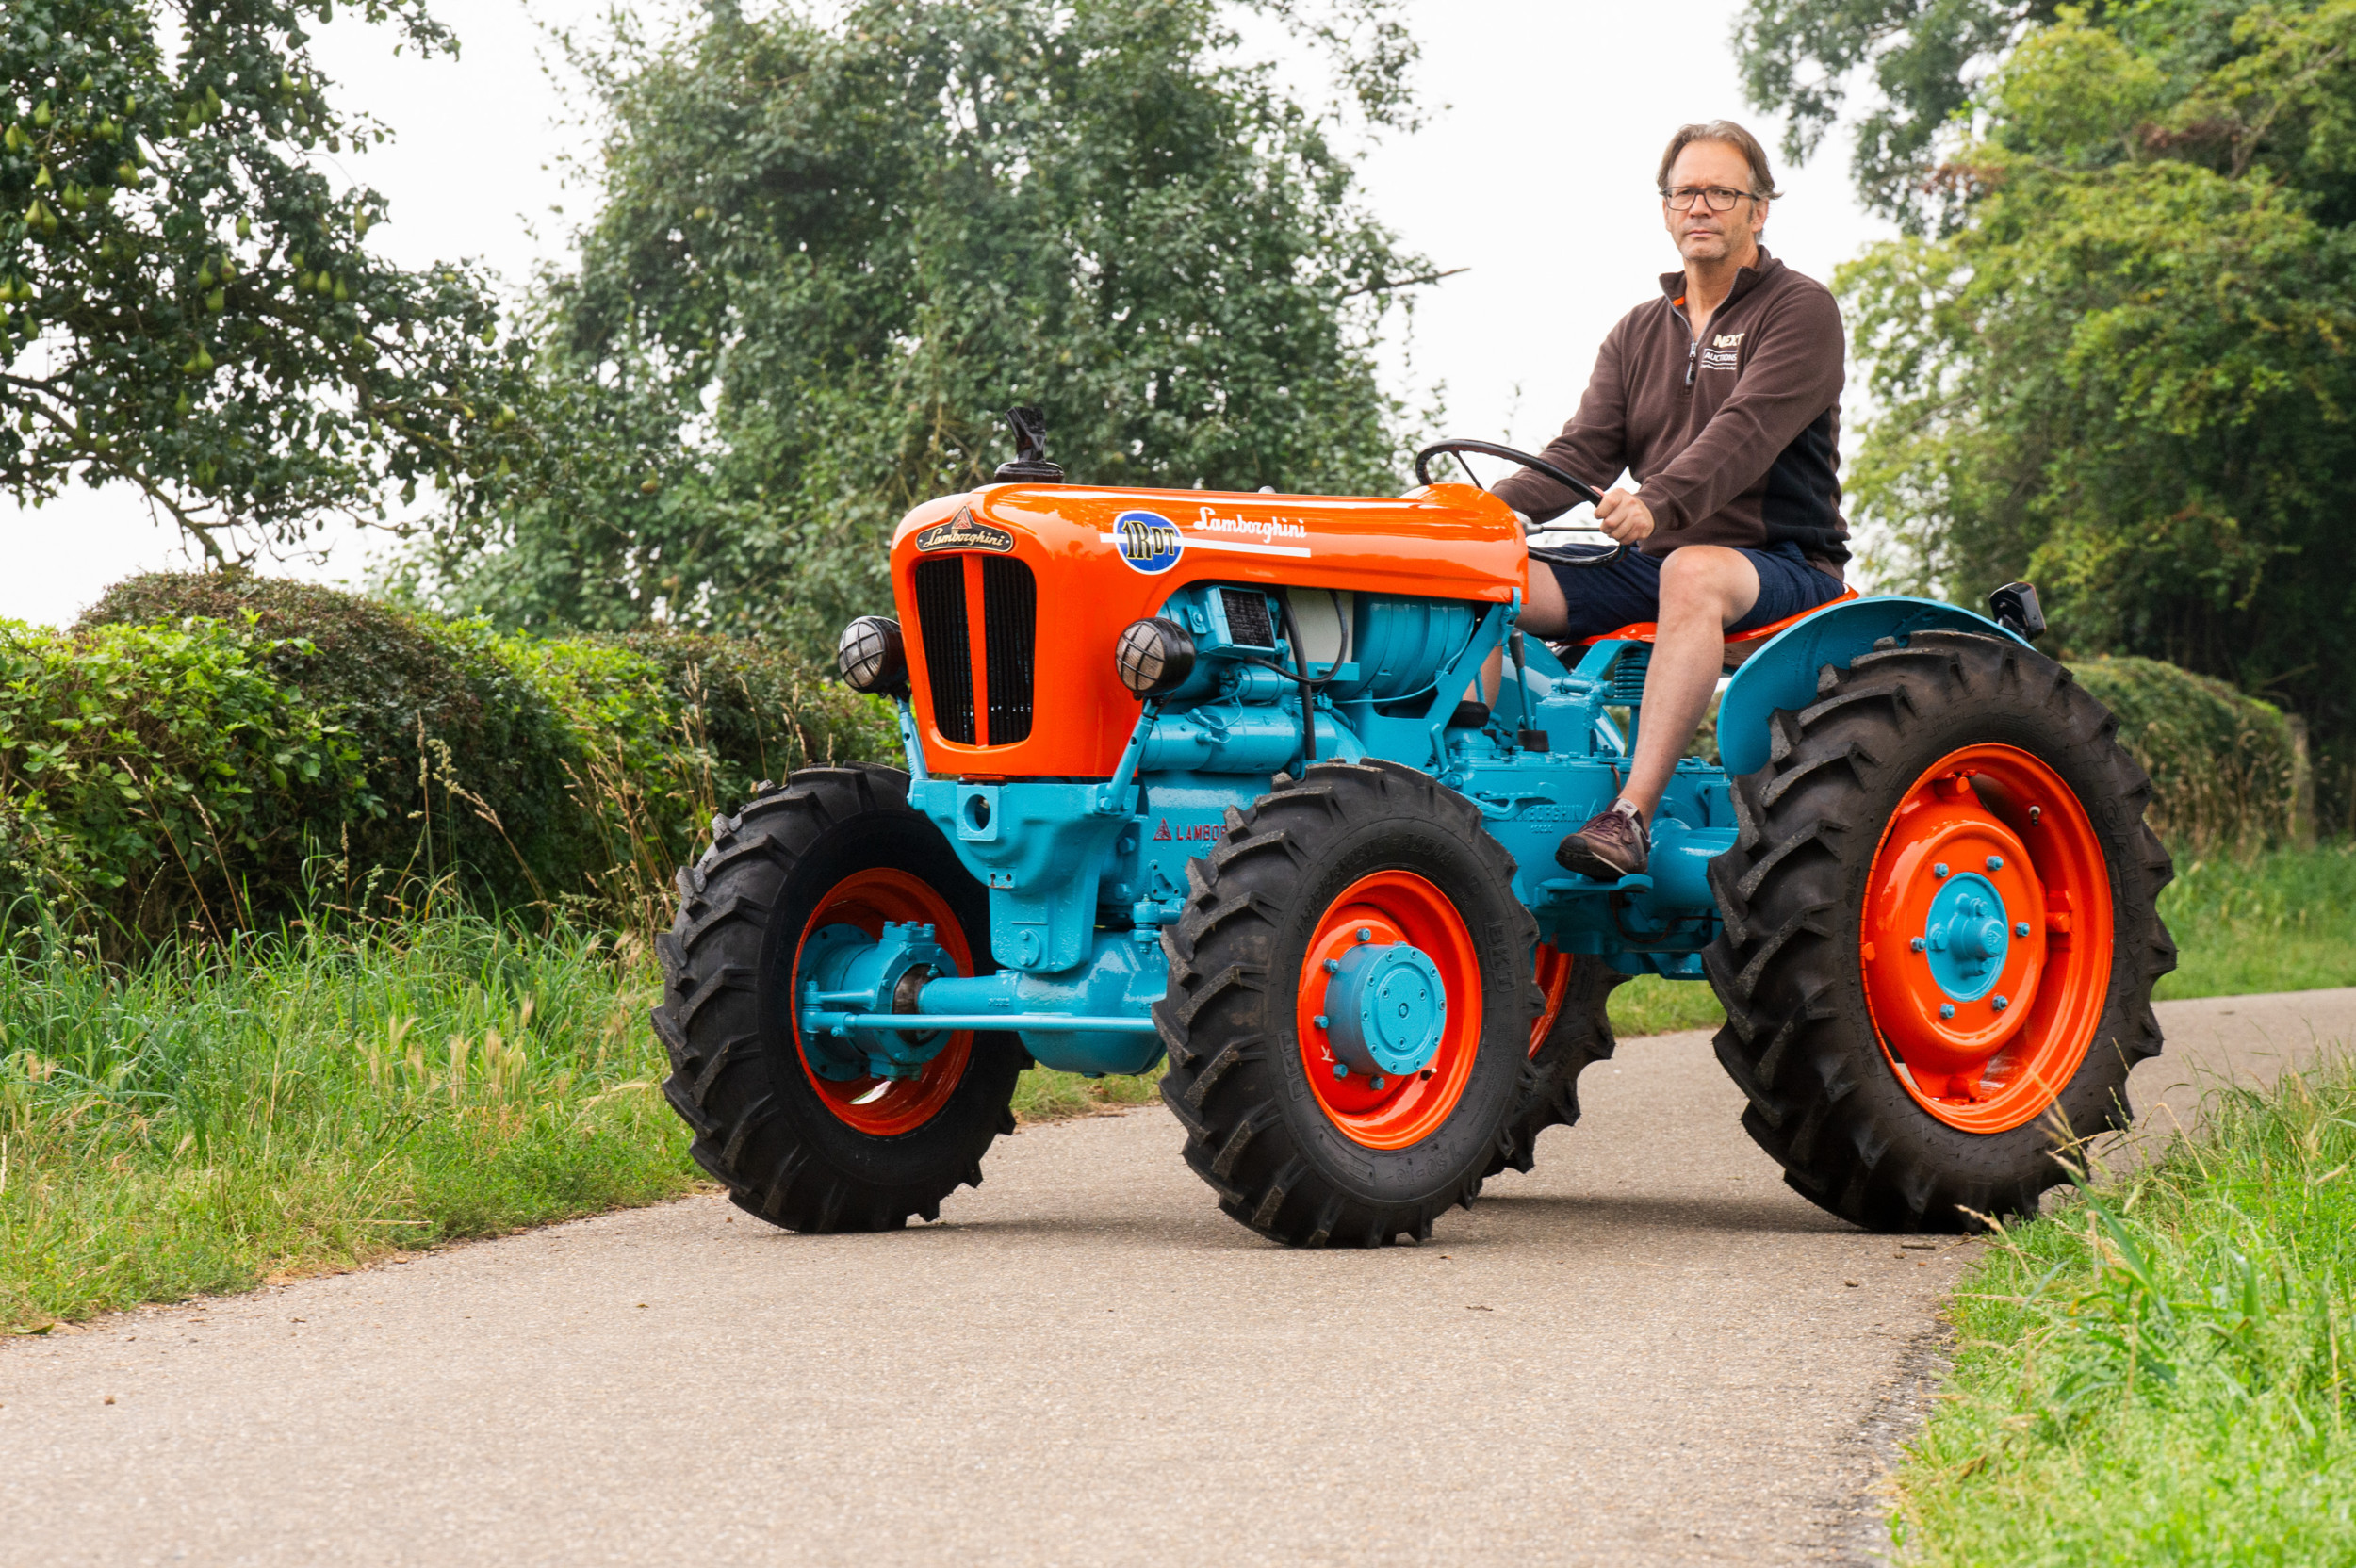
x=1011 y=596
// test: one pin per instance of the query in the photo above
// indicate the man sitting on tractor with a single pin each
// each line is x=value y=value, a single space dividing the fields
x=1722 y=399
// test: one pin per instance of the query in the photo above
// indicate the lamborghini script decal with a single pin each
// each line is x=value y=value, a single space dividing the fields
x=1152 y=542
x=961 y=532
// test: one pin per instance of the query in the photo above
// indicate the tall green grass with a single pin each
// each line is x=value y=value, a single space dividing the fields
x=205 y=1120
x=2165 y=1372
x=2283 y=920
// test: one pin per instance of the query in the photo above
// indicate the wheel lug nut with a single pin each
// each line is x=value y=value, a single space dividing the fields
x=1996 y=863
x=1341 y=1069
x=1366 y=933
x=2021 y=928
x=1918 y=944
x=2000 y=1003
x=1332 y=966
x=1375 y=1084
x=1946 y=1009
x=1318 y=1021
x=1939 y=869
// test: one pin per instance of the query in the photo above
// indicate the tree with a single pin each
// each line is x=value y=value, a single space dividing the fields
x=826 y=257
x=1802 y=58
x=187 y=307
x=2126 y=371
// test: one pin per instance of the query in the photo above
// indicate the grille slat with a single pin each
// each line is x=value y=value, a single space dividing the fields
x=1010 y=622
x=948 y=649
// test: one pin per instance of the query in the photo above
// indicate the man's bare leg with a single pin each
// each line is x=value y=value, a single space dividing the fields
x=1704 y=590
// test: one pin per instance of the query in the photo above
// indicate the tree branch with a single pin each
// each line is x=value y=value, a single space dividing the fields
x=1380 y=286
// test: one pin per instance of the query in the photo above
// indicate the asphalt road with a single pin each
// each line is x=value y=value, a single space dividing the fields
x=1646 y=1351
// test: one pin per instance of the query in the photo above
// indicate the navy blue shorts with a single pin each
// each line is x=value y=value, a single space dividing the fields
x=1605 y=598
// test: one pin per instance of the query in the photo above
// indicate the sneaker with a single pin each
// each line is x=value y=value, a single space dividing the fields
x=1611 y=846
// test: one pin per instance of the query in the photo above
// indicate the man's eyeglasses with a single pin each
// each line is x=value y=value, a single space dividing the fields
x=1681 y=198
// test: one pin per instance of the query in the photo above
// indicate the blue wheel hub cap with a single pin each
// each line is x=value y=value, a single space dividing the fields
x=1967 y=937
x=1385 y=1009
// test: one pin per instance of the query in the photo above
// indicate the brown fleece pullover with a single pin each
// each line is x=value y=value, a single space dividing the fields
x=1735 y=440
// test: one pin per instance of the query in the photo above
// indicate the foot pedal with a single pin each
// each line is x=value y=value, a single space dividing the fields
x=1468 y=715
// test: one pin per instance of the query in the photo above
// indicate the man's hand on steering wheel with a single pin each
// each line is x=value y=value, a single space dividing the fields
x=1624 y=516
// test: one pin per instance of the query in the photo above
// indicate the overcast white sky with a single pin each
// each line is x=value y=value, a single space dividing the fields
x=1536 y=176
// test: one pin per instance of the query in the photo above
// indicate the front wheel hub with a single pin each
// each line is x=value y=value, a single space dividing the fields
x=1385 y=1009
x=846 y=969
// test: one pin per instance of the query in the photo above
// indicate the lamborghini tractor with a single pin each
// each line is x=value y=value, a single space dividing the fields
x=1192 y=778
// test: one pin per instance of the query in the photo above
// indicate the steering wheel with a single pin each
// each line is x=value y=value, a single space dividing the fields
x=1576 y=556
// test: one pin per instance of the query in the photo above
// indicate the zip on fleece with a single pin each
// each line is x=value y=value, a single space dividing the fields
x=1767 y=475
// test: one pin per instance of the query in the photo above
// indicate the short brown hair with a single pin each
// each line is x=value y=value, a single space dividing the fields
x=1734 y=135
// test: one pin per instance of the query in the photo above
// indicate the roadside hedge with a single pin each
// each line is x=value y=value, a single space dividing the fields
x=2224 y=769
x=208 y=752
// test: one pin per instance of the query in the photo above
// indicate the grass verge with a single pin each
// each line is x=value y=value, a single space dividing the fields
x=204 y=1122
x=2165 y=1372
x=1043 y=1094
x=2284 y=921
x=1648 y=1005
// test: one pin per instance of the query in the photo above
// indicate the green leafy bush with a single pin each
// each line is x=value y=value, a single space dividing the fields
x=2223 y=766
x=161 y=776
x=211 y=751
x=431 y=707
x=761 y=710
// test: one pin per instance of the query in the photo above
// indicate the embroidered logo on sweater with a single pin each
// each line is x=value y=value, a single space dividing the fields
x=1723 y=352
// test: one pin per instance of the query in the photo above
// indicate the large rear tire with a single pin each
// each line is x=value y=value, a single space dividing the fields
x=1940 y=934
x=794 y=1146
x=1350 y=854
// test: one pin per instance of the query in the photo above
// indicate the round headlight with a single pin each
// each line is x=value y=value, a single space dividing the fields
x=872 y=656
x=1154 y=655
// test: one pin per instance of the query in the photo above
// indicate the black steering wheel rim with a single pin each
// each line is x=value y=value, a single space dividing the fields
x=1572 y=482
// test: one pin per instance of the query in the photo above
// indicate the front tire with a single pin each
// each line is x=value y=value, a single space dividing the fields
x=1941 y=934
x=792 y=1145
x=1350 y=854
x=1572 y=1034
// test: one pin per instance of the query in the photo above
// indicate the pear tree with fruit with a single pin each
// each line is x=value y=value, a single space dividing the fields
x=188 y=302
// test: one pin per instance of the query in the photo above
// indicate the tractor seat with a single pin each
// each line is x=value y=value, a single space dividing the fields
x=1739 y=647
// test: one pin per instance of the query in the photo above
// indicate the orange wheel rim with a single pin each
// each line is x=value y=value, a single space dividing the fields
x=1986 y=938
x=883 y=1107
x=1554 y=982
x=1394 y=906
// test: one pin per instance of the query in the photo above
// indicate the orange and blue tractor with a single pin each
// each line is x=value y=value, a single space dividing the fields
x=1189 y=782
